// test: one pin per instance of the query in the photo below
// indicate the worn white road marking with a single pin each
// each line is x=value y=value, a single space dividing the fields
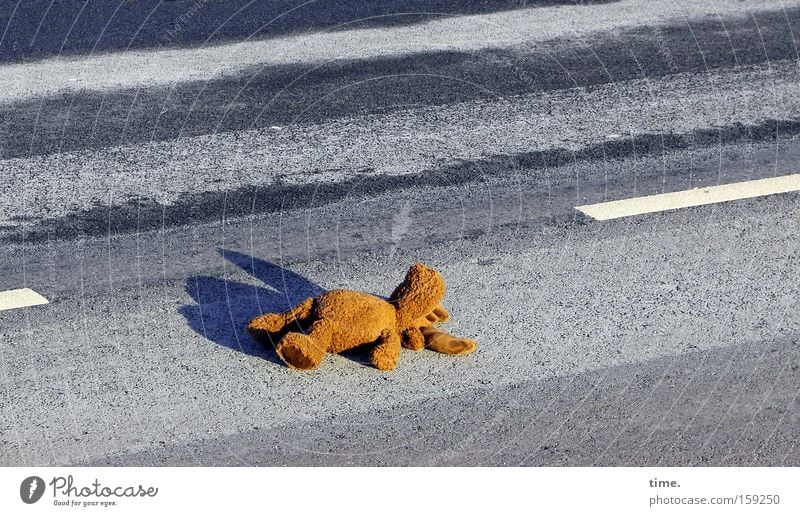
x=695 y=197
x=139 y=68
x=20 y=298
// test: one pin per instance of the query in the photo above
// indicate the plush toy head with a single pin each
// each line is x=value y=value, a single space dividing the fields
x=420 y=292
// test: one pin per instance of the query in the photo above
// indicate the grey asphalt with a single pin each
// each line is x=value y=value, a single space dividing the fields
x=736 y=406
x=663 y=339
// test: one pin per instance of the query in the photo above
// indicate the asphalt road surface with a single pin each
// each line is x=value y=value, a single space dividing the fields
x=168 y=174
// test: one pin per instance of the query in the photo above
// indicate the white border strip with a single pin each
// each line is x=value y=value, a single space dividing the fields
x=20 y=298
x=695 y=197
x=468 y=490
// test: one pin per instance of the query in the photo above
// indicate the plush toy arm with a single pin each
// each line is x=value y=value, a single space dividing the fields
x=437 y=315
x=441 y=342
x=413 y=339
x=387 y=352
x=267 y=327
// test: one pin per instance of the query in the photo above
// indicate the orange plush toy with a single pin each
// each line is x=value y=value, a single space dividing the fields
x=344 y=319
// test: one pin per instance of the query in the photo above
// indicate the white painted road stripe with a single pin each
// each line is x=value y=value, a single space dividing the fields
x=20 y=298
x=695 y=197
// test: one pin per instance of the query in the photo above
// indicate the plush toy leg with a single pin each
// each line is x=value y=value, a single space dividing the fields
x=413 y=339
x=302 y=351
x=387 y=352
x=441 y=342
x=267 y=329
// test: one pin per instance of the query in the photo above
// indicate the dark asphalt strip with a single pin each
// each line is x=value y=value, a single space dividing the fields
x=190 y=208
x=442 y=210
x=67 y=28
x=311 y=93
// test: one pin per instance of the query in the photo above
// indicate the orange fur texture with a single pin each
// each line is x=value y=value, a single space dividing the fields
x=344 y=319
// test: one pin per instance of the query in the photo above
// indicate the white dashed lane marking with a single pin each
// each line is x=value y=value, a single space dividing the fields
x=20 y=298
x=695 y=197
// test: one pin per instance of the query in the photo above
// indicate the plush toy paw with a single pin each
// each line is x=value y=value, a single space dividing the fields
x=439 y=314
x=441 y=342
x=454 y=346
x=300 y=351
x=413 y=339
x=387 y=352
x=269 y=323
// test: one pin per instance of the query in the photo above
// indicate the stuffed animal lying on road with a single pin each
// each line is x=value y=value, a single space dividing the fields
x=344 y=319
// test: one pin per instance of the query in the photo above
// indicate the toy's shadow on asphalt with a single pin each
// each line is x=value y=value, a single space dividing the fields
x=223 y=308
